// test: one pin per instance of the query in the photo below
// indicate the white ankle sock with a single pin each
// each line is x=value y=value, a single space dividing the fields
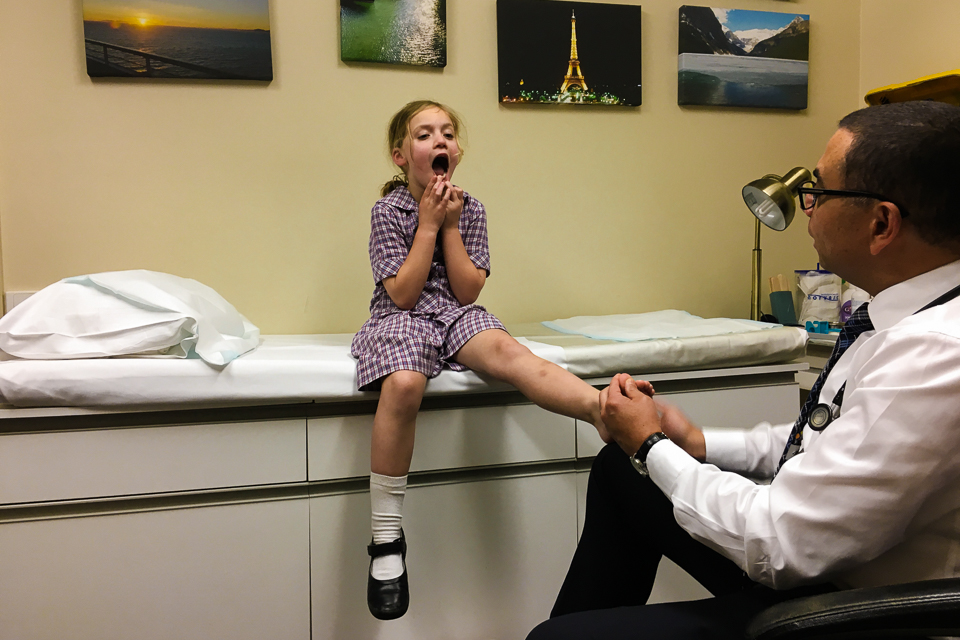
x=386 y=507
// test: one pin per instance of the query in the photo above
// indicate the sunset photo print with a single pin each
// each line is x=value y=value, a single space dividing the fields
x=199 y=39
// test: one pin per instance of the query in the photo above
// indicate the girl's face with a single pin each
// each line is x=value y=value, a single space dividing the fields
x=429 y=149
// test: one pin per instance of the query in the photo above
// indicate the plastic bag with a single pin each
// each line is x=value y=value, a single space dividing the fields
x=820 y=292
x=850 y=298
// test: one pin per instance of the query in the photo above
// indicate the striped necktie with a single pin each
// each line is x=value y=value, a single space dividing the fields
x=857 y=324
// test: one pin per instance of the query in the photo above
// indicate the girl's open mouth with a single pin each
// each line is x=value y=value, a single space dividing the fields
x=440 y=165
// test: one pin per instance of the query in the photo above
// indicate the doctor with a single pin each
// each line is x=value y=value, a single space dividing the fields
x=864 y=489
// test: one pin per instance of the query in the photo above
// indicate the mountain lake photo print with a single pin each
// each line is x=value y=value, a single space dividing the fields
x=558 y=52
x=200 y=39
x=739 y=58
x=411 y=32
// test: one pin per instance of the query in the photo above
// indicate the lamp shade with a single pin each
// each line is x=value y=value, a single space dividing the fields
x=771 y=198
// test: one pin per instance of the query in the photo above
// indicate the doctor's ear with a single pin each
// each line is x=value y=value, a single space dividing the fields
x=885 y=226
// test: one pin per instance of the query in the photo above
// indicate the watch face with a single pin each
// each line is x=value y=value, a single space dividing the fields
x=641 y=467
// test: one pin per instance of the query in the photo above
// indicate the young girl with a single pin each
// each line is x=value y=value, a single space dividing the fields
x=428 y=250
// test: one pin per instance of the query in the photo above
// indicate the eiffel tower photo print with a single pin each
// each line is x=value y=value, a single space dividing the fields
x=598 y=45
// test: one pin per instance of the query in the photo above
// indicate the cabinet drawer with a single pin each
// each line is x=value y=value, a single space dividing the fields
x=339 y=447
x=233 y=571
x=111 y=462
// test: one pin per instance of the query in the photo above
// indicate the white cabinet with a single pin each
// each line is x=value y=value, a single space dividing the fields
x=191 y=524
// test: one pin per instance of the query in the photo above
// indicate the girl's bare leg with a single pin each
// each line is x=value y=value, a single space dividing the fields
x=394 y=425
x=497 y=354
x=391 y=450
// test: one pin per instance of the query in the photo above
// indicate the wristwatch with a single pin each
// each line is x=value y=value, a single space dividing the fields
x=639 y=459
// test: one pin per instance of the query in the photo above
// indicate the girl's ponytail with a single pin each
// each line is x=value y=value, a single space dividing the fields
x=395 y=182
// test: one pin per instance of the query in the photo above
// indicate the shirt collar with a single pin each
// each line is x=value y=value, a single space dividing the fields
x=401 y=199
x=895 y=303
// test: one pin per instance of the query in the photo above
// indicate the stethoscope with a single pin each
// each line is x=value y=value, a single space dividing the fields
x=823 y=414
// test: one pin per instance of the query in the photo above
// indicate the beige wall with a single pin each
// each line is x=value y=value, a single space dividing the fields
x=902 y=41
x=263 y=192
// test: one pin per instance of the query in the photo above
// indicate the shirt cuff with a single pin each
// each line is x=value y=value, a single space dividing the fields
x=665 y=462
x=726 y=448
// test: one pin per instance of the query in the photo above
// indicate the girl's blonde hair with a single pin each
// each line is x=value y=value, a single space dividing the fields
x=399 y=129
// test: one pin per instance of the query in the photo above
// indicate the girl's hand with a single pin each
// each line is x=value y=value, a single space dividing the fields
x=433 y=204
x=454 y=206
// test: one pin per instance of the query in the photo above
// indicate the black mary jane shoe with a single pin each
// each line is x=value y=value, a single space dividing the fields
x=388 y=599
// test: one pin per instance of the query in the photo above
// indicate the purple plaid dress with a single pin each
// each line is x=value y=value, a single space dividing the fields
x=425 y=338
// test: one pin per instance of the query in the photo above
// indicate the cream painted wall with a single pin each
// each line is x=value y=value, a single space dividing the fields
x=902 y=41
x=263 y=192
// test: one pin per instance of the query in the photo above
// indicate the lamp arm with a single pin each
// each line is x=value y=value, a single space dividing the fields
x=796 y=177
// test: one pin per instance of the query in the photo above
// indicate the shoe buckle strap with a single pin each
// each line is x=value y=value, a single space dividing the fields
x=386 y=548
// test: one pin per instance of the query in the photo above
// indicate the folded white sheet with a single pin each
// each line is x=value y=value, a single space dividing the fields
x=656 y=325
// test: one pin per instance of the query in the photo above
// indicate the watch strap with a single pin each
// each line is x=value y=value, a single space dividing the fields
x=641 y=454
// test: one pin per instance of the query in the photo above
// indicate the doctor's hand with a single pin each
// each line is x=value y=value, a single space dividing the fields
x=681 y=431
x=629 y=413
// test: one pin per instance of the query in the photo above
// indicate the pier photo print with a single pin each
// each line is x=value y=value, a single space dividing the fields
x=409 y=32
x=739 y=58
x=199 y=39
x=558 y=52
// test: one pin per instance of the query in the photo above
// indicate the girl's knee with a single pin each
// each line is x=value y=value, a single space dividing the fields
x=507 y=349
x=404 y=385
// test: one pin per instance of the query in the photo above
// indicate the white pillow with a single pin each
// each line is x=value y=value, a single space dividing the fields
x=125 y=313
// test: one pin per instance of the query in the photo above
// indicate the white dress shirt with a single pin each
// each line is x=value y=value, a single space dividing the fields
x=873 y=499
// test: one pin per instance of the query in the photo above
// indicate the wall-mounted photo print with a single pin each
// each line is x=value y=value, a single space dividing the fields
x=558 y=52
x=412 y=32
x=201 y=39
x=739 y=58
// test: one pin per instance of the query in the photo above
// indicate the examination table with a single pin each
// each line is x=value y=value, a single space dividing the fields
x=154 y=498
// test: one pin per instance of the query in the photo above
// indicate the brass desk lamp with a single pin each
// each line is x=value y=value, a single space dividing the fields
x=771 y=199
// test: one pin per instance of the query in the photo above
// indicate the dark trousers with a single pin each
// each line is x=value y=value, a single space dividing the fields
x=629 y=526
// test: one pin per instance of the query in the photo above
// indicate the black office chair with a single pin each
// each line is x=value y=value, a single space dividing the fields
x=912 y=610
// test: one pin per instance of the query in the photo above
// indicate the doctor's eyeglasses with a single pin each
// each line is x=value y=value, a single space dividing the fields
x=809 y=196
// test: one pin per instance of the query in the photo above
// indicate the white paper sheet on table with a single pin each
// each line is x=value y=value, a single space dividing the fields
x=305 y=368
x=657 y=325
